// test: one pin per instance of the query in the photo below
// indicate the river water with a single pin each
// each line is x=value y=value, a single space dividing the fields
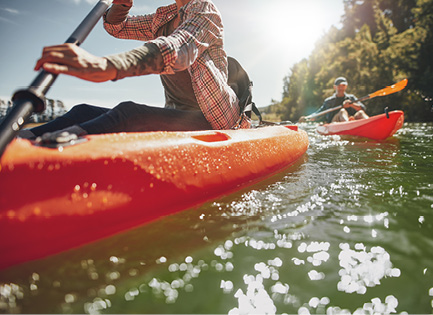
x=349 y=229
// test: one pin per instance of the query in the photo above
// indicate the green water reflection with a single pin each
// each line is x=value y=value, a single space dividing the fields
x=347 y=230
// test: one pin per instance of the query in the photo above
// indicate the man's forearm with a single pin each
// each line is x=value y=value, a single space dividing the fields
x=140 y=61
x=357 y=106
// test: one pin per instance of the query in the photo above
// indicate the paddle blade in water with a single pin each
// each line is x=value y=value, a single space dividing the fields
x=390 y=89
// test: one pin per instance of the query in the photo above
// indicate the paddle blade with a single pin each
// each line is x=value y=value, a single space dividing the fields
x=390 y=89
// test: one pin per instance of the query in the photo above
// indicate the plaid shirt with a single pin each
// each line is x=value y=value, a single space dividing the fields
x=200 y=29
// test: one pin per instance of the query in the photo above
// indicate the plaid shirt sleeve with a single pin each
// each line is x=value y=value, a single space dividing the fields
x=142 y=27
x=201 y=29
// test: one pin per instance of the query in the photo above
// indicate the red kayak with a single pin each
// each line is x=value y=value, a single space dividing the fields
x=52 y=200
x=377 y=127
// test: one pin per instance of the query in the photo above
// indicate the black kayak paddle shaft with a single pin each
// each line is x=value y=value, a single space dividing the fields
x=32 y=99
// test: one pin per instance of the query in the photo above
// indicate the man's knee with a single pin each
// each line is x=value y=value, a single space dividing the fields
x=129 y=109
x=342 y=115
x=80 y=108
x=360 y=115
x=84 y=112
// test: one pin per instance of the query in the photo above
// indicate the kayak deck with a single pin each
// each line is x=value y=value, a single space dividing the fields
x=56 y=199
x=378 y=127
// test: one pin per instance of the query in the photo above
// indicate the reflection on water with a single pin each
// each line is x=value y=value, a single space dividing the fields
x=11 y=294
x=347 y=231
x=362 y=268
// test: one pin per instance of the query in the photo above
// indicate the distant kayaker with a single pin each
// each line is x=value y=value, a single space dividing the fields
x=183 y=44
x=351 y=111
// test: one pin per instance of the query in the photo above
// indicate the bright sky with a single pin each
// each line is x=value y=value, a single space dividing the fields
x=266 y=36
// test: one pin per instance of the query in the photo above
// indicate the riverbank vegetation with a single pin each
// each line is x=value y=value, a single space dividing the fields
x=380 y=42
x=53 y=109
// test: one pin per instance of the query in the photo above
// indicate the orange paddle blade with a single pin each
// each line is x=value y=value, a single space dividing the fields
x=390 y=89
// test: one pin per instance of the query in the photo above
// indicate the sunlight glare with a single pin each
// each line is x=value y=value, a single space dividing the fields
x=296 y=26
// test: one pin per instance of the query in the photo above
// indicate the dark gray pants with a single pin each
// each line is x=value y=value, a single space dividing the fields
x=126 y=117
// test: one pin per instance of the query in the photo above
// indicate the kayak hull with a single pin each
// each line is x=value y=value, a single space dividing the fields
x=378 y=127
x=52 y=200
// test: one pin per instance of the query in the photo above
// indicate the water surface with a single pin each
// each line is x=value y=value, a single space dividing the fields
x=348 y=229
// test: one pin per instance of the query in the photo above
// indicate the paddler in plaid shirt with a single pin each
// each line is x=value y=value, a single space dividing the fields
x=183 y=43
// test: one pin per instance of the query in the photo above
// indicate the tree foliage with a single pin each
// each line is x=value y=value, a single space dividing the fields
x=53 y=109
x=380 y=42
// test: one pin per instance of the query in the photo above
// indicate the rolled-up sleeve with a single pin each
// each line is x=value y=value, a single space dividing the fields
x=194 y=36
x=134 y=27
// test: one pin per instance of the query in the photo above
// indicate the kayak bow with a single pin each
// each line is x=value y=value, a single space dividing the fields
x=56 y=199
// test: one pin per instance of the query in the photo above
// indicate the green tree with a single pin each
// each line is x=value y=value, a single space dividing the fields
x=381 y=42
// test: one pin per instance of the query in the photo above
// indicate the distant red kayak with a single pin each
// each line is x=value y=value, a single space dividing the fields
x=377 y=127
